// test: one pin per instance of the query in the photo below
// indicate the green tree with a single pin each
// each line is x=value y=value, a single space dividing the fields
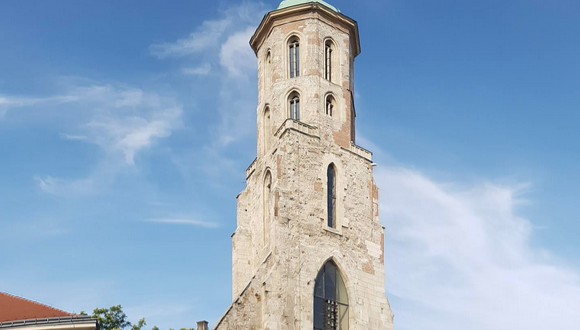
x=114 y=318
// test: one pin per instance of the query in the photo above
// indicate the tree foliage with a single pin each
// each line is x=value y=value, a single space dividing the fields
x=114 y=318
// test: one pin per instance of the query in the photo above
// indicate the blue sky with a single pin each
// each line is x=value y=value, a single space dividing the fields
x=125 y=129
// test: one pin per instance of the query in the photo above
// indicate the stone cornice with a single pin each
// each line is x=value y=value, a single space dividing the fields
x=268 y=21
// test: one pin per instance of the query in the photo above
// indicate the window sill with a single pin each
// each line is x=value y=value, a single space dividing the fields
x=333 y=231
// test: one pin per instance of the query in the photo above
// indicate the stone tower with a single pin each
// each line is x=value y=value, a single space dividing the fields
x=308 y=248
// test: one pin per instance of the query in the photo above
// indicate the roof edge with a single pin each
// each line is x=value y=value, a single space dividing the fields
x=259 y=35
x=73 y=319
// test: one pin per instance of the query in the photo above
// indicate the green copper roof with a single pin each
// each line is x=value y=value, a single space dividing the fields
x=290 y=3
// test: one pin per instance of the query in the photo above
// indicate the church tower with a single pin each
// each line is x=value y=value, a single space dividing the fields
x=308 y=251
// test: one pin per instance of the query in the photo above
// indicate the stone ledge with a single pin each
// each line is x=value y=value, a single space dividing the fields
x=295 y=125
x=359 y=151
x=251 y=169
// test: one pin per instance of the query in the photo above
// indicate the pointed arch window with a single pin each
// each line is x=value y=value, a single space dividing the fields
x=328 y=54
x=331 y=195
x=266 y=197
x=330 y=300
x=294 y=56
x=294 y=105
x=266 y=130
x=330 y=106
x=267 y=70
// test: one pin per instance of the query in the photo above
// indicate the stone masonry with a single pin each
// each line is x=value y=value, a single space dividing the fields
x=282 y=238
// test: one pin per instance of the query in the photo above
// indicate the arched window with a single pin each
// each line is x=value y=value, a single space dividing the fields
x=331 y=195
x=294 y=105
x=266 y=197
x=294 y=56
x=330 y=300
x=328 y=65
x=330 y=106
x=266 y=130
x=267 y=70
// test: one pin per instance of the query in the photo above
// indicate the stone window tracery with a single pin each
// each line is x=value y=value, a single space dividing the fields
x=330 y=299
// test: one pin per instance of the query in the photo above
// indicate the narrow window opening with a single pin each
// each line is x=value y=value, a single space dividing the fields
x=331 y=195
x=268 y=71
x=330 y=106
x=266 y=131
x=328 y=50
x=266 y=196
x=294 y=57
x=294 y=103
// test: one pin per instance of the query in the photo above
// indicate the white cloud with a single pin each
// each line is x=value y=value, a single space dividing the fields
x=210 y=33
x=206 y=36
x=199 y=71
x=7 y=103
x=188 y=222
x=122 y=121
x=74 y=137
x=129 y=135
x=462 y=258
x=236 y=56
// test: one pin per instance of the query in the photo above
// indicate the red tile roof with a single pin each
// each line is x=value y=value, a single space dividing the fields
x=14 y=308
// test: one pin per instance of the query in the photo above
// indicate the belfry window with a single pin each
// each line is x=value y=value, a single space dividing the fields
x=328 y=50
x=294 y=57
x=330 y=106
x=330 y=300
x=331 y=195
x=294 y=105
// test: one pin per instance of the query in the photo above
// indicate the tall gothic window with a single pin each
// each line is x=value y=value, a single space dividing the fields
x=328 y=50
x=331 y=195
x=267 y=70
x=330 y=300
x=330 y=105
x=294 y=105
x=266 y=197
x=294 y=57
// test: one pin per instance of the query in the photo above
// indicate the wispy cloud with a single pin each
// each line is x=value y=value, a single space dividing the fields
x=210 y=33
x=236 y=56
x=462 y=258
x=198 y=71
x=74 y=137
x=206 y=36
x=120 y=119
x=8 y=102
x=235 y=88
x=187 y=222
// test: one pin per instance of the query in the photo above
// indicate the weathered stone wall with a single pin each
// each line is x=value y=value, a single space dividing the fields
x=284 y=269
x=278 y=250
x=312 y=29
